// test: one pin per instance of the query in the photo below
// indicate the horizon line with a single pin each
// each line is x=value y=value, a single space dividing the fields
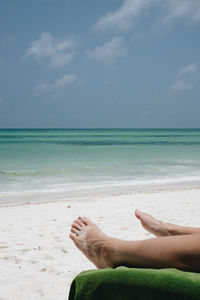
x=92 y=128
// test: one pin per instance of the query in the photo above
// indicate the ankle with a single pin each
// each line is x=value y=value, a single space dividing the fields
x=110 y=253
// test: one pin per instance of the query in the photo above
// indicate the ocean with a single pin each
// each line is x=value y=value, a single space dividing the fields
x=56 y=164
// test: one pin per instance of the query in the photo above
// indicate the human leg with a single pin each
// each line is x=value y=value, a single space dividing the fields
x=181 y=252
x=160 y=228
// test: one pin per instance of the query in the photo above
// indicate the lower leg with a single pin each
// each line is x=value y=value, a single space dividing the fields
x=160 y=228
x=181 y=252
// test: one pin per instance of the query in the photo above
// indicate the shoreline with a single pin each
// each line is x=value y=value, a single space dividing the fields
x=34 y=239
x=85 y=192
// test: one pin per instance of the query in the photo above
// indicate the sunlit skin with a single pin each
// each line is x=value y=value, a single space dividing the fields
x=174 y=246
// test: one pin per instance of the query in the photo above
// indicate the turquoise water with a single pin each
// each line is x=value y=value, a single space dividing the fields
x=54 y=160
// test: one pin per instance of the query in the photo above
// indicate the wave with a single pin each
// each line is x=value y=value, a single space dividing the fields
x=26 y=172
x=105 y=143
x=117 y=135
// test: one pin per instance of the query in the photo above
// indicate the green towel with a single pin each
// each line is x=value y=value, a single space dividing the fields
x=134 y=283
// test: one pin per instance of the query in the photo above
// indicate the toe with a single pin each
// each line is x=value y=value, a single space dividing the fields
x=77 y=226
x=86 y=221
x=79 y=222
x=82 y=221
x=75 y=231
x=138 y=213
x=72 y=236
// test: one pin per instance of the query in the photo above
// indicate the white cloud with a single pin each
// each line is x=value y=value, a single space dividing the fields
x=189 y=9
x=181 y=85
x=122 y=18
x=188 y=69
x=65 y=80
x=60 y=83
x=57 y=52
x=109 y=51
x=131 y=10
x=60 y=60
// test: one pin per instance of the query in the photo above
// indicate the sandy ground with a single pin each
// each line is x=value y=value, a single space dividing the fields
x=39 y=261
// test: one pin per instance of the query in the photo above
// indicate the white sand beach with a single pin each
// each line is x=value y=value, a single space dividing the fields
x=39 y=261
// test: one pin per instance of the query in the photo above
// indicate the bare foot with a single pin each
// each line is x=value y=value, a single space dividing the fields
x=92 y=242
x=158 y=228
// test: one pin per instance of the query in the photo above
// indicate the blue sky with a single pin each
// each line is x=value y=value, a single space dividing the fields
x=91 y=63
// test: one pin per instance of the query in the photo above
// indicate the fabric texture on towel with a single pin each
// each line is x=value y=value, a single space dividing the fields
x=135 y=283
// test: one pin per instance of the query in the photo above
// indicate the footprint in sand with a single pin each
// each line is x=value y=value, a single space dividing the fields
x=64 y=250
x=43 y=270
x=15 y=259
x=24 y=250
x=3 y=247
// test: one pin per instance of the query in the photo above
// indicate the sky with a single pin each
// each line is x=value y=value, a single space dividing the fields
x=100 y=64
